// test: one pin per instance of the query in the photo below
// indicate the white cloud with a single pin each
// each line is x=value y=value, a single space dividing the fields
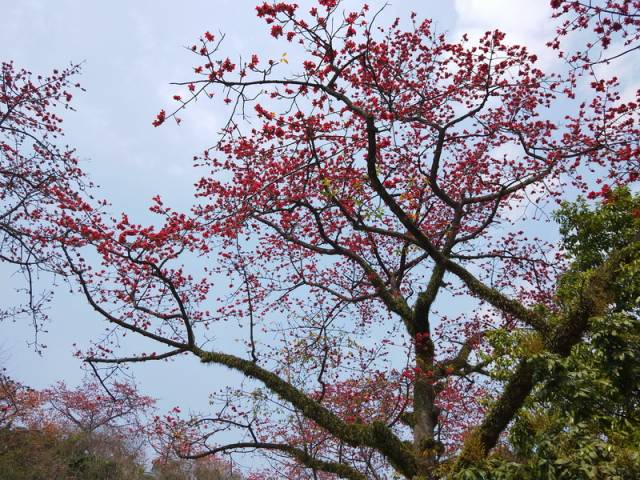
x=525 y=22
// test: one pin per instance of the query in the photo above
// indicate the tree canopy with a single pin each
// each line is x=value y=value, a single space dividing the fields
x=375 y=216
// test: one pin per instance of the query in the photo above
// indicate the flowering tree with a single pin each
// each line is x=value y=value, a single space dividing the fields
x=90 y=408
x=167 y=465
x=613 y=23
x=372 y=214
x=79 y=433
x=16 y=401
x=89 y=432
x=34 y=172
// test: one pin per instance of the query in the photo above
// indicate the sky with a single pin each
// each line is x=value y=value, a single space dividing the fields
x=130 y=52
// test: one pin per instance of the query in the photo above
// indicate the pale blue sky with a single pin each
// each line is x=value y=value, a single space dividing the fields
x=132 y=50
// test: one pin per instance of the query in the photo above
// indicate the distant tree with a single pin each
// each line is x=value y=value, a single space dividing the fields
x=33 y=454
x=91 y=408
x=89 y=433
x=16 y=400
x=81 y=433
x=172 y=467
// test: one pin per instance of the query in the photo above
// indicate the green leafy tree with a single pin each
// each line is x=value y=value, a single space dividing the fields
x=31 y=454
x=583 y=420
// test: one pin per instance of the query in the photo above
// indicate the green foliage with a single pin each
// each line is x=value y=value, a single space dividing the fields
x=583 y=419
x=590 y=235
x=43 y=455
x=29 y=454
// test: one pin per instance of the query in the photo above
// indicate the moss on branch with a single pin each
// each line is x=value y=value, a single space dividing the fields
x=376 y=435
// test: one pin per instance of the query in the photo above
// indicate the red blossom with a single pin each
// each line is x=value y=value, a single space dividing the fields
x=347 y=212
x=160 y=118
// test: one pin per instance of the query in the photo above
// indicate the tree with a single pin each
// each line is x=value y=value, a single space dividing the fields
x=613 y=23
x=34 y=173
x=31 y=454
x=72 y=433
x=89 y=432
x=16 y=400
x=90 y=408
x=398 y=311
x=581 y=420
x=172 y=467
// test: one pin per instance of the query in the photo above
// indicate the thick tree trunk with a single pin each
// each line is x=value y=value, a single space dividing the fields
x=425 y=410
